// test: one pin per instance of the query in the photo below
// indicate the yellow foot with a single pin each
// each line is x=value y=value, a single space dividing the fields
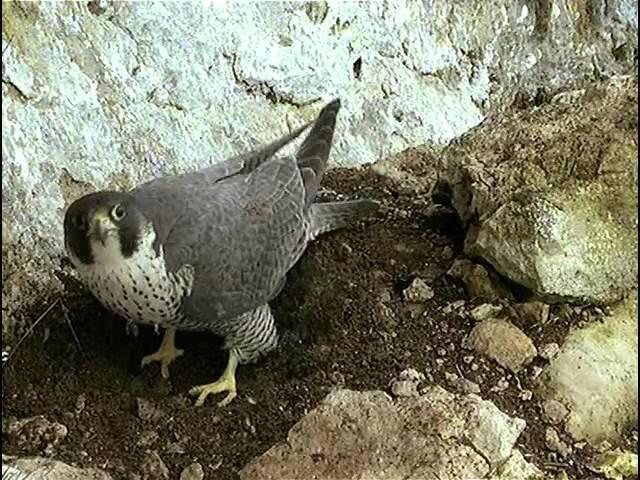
x=226 y=383
x=166 y=354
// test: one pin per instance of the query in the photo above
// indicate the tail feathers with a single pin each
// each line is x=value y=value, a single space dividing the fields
x=254 y=159
x=313 y=155
x=329 y=216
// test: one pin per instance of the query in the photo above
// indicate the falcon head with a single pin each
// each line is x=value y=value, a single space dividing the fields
x=103 y=227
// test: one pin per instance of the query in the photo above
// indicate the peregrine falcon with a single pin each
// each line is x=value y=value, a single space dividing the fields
x=209 y=250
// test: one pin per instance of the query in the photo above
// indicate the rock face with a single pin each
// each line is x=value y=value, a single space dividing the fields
x=357 y=435
x=595 y=375
x=106 y=94
x=38 y=468
x=550 y=194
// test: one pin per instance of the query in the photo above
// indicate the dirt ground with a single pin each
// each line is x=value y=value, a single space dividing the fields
x=334 y=331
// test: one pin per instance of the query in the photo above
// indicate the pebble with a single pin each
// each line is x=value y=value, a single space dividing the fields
x=153 y=468
x=176 y=448
x=147 y=411
x=37 y=433
x=81 y=403
x=250 y=426
x=147 y=438
x=451 y=377
x=447 y=253
x=457 y=305
x=192 y=472
x=502 y=341
x=553 y=442
x=406 y=385
x=553 y=411
x=501 y=386
x=603 y=446
x=535 y=371
x=464 y=385
x=533 y=312
x=526 y=395
x=418 y=292
x=485 y=311
x=549 y=351
x=345 y=249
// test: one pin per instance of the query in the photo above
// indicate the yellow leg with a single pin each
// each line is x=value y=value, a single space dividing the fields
x=166 y=354
x=226 y=383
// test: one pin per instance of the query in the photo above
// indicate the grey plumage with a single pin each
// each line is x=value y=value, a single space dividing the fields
x=230 y=233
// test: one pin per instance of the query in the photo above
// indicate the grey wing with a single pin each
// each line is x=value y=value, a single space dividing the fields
x=164 y=199
x=243 y=224
x=253 y=231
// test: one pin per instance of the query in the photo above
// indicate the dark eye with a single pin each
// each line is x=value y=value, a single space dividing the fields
x=118 y=212
x=78 y=221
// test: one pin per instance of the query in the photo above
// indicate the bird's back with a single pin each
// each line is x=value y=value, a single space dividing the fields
x=241 y=228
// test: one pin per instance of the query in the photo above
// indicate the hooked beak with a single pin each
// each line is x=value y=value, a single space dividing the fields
x=101 y=227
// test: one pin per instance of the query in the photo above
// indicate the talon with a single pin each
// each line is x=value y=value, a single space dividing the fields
x=226 y=383
x=167 y=353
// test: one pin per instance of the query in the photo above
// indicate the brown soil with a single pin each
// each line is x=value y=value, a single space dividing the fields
x=333 y=332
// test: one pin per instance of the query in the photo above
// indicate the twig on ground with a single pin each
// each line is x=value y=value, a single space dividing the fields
x=31 y=328
x=67 y=320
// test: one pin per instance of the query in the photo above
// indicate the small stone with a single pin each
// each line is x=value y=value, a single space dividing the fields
x=603 y=446
x=553 y=411
x=485 y=311
x=458 y=304
x=81 y=403
x=439 y=361
x=385 y=316
x=37 y=433
x=153 y=468
x=453 y=306
x=250 y=426
x=501 y=386
x=447 y=253
x=385 y=296
x=418 y=292
x=503 y=342
x=192 y=472
x=534 y=313
x=553 y=442
x=517 y=468
x=406 y=385
x=579 y=445
x=176 y=448
x=526 y=395
x=147 y=438
x=475 y=367
x=549 y=351
x=464 y=385
x=478 y=281
x=535 y=372
x=345 y=249
x=441 y=352
x=147 y=411
x=451 y=377
x=467 y=359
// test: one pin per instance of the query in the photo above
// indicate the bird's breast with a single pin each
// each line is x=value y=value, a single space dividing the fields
x=138 y=289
